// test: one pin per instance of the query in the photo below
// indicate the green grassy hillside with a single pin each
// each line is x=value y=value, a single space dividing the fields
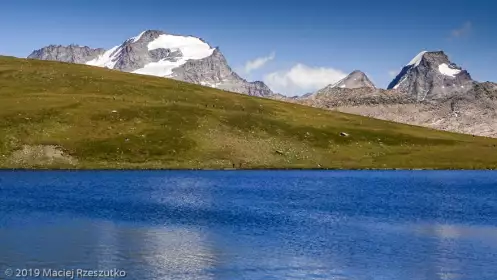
x=57 y=115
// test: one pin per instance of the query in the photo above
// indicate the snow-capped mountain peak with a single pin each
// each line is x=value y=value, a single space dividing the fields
x=431 y=75
x=153 y=53
x=156 y=53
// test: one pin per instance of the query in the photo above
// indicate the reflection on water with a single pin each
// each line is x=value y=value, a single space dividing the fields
x=252 y=225
x=175 y=253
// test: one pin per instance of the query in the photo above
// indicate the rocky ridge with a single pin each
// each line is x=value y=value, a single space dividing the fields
x=71 y=53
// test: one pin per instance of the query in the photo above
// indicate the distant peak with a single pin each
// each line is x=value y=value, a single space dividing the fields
x=153 y=32
x=356 y=72
x=419 y=57
x=356 y=79
x=430 y=73
x=150 y=34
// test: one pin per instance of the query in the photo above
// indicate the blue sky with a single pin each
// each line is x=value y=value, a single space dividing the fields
x=295 y=46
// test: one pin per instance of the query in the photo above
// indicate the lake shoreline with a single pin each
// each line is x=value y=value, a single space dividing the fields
x=245 y=169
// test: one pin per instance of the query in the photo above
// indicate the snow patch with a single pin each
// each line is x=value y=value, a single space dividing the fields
x=447 y=71
x=161 y=68
x=416 y=60
x=190 y=47
x=107 y=59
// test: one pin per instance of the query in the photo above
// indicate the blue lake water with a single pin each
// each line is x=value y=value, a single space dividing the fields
x=251 y=224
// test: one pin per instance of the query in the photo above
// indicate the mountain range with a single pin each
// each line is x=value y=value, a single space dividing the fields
x=429 y=91
x=156 y=53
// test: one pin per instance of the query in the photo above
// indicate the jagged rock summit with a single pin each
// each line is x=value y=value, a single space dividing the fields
x=355 y=82
x=72 y=53
x=356 y=79
x=157 y=53
x=431 y=76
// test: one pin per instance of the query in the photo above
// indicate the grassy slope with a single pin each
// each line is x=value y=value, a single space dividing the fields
x=162 y=123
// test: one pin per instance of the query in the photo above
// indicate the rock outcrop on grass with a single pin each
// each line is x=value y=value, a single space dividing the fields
x=41 y=155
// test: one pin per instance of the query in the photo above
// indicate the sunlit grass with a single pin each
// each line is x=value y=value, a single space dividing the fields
x=109 y=119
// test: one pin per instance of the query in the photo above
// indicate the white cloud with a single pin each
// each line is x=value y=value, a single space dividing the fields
x=257 y=63
x=301 y=79
x=462 y=31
